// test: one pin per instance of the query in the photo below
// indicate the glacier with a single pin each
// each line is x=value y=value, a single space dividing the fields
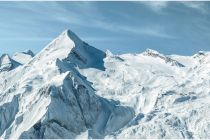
x=71 y=90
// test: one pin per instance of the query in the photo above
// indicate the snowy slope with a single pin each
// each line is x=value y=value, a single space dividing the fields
x=169 y=101
x=73 y=90
x=23 y=57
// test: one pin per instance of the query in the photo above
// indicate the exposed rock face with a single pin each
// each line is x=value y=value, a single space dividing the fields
x=167 y=59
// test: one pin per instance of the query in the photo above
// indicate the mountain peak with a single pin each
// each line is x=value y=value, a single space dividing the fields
x=72 y=35
x=150 y=51
x=82 y=54
x=70 y=48
x=109 y=53
x=7 y=64
x=155 y=54
x=23 y=57
x=59 y=95
x=29 y=52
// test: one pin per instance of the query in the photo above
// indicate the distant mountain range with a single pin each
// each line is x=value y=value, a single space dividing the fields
x=73 y=90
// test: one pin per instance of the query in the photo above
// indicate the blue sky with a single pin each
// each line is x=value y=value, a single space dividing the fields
x=122 y=27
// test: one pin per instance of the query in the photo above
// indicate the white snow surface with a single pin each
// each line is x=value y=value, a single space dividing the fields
x=73 y=90
x=23 y=57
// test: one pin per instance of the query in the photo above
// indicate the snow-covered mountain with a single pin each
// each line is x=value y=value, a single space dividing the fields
x=23 y=57
x=73 y=90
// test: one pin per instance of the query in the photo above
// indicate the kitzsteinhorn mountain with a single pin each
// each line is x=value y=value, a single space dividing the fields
x=72 y=90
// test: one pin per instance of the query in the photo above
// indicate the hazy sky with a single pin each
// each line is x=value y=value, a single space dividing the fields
x=122 y=27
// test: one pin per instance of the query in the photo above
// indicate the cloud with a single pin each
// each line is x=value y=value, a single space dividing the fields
x=156 y=6
x=82 y=15
x=26 y=39
x=159 y=6
x=197 y=5
x=152 y=30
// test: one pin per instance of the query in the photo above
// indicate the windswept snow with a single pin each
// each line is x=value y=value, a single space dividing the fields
x=23 y=57
x=73 y=90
